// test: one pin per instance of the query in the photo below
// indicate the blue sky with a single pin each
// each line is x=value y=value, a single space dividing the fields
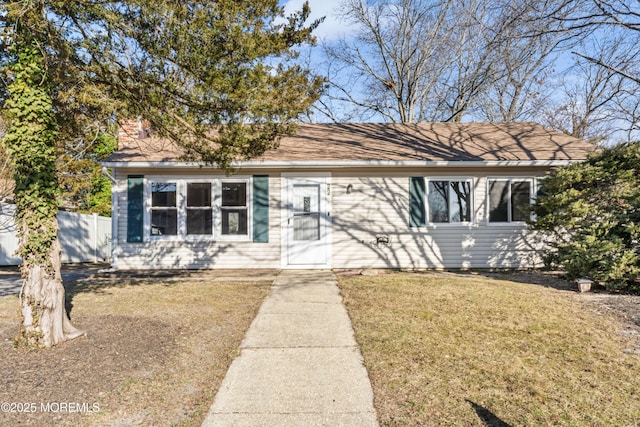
x=333 y=28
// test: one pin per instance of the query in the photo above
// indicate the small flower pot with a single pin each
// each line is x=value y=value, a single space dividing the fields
x=584 y=285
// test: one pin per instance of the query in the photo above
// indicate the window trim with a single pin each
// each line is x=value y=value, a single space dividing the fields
x=509 y=180
x=181 y=202
x=472 y=186
x=249 y=207
x=212 y=207
x=148 y=207
x=175 y=208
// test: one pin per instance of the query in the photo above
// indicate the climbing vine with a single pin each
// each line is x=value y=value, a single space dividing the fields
x=30 y=143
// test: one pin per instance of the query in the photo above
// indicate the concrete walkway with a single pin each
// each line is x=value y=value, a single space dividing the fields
x=299 y=363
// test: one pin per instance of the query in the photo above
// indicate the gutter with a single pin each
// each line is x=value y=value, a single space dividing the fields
x=325 y=164
x=105 y=171
x=114 y=215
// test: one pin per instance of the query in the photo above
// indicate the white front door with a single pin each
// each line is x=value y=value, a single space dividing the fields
x=307 y=222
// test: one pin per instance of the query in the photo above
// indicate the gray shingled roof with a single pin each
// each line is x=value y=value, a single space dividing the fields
x=397 y=142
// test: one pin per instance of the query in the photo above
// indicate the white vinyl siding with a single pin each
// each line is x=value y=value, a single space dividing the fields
x=367 y=207
x=378 y=206
x=198 y=252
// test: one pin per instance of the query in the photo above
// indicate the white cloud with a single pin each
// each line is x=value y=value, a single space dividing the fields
x=332 y=28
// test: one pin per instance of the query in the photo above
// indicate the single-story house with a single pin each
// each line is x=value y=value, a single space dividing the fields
x=429 y=195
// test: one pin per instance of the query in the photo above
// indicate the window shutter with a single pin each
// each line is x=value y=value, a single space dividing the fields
x=416 y=202
x=135 y=208
x=261 y=208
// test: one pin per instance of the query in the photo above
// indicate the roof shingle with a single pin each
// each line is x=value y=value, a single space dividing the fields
x=398 y=142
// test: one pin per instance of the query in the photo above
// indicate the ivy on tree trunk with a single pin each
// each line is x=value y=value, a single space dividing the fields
x=30 y=142
x=219 y=78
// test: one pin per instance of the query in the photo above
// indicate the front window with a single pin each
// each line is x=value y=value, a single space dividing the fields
x=449 y=201
x=199 y=210
x=234 y=208
x=164 y=209
x=509 y=200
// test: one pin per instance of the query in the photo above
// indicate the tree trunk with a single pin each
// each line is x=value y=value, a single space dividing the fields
x=44 y=319
x=30 y=142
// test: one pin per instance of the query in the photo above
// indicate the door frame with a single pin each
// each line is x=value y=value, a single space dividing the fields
x=285 y=213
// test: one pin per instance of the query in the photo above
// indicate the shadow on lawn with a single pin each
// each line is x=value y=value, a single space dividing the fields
x=547 y=279
x=533 y=277
x=488 y=418
x=99 y=282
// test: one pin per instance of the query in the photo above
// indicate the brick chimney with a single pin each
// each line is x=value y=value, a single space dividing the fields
x=131 y=130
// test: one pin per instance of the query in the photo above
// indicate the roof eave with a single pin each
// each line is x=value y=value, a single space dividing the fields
x=324 y=164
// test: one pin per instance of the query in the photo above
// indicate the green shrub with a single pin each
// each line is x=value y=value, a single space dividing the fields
x=590 y=214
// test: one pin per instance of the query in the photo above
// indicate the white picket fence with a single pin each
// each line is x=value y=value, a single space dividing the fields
x=84 y=238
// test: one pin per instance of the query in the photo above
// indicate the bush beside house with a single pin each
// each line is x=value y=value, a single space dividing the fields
x=591 y=213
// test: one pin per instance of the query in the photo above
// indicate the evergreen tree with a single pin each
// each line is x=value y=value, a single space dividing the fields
x=69 y=67
x=591 y=213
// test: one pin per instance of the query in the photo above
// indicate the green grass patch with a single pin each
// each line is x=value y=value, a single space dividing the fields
x=469 y=350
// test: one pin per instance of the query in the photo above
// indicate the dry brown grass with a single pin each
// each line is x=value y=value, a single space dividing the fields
x=468 y=350
x=155 y=353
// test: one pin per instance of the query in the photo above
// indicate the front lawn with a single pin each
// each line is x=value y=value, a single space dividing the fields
x=445 y=349
x=155 y=353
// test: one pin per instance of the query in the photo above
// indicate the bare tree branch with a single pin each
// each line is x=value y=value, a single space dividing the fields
x=608 y=67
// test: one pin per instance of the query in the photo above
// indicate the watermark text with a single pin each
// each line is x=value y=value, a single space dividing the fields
x=50 y=407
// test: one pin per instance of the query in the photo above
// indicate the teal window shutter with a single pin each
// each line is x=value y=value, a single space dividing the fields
x=417 y=216
x=135 y=208
x=261 y=208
